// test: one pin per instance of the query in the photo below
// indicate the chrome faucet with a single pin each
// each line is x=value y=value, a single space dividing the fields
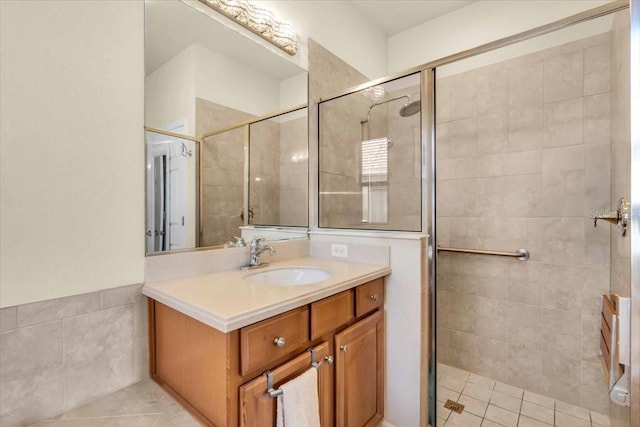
x=255 y=250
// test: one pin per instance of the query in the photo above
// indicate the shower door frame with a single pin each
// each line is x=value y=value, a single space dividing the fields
x=429 y=178
x=634 y=418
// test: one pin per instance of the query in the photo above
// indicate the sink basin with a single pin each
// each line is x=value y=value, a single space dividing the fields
x=288 y=276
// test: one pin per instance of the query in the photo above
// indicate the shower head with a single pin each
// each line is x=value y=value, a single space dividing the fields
x=410 y=109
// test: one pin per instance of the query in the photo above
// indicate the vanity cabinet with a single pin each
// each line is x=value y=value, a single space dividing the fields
x=359 y=373
x=223 y=378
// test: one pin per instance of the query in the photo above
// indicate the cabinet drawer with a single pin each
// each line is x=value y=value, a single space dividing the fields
x=265 y=342
x=330 y=313
x=369 y=296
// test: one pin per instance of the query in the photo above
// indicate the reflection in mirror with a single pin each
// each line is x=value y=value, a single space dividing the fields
x=204 y=74
x=370 y=158
x=171 y=166
x=278 y=158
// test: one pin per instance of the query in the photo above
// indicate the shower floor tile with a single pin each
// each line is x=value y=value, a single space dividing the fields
x=490 y=403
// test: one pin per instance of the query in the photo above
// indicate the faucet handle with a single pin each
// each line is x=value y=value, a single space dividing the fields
x=256 y=242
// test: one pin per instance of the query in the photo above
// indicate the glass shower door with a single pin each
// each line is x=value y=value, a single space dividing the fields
x=531 y=142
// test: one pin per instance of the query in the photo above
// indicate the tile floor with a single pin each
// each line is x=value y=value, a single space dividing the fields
x=489 y=403
x=143 y=404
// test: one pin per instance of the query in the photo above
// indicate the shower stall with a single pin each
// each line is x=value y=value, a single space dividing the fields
x=503 y=156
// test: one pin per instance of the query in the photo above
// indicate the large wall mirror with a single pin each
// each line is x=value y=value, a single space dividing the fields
x=232 y=146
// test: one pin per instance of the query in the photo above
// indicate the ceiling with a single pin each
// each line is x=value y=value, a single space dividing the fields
x=398 y=15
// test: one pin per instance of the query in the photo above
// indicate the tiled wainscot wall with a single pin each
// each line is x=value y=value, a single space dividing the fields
x=59 y=354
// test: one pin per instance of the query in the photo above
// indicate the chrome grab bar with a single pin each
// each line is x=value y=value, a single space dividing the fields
x=521 y=254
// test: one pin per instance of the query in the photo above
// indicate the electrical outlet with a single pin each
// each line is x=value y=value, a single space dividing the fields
x=341 y=251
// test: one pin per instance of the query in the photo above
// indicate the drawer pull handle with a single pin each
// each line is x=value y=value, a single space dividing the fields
x=280 y=342
x=374 y=297
x=344 y=348
x=329 y=359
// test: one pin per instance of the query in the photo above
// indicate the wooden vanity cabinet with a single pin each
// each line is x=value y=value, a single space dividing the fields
x=360 y=372
x=257 y=408
x=219 y=377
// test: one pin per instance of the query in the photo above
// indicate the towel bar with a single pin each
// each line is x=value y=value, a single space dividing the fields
x=521 y=254
x=314 y=363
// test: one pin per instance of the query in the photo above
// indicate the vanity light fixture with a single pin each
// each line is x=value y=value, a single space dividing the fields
x=258 y=20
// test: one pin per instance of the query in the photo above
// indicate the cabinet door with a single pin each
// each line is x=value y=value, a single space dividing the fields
x=257 y=409
x=360 y=372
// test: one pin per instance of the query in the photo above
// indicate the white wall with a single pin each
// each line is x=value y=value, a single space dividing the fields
x=72 y=152
x=258 y=94
x=404 y=290
x=340 y=28
x=480 y=22
x=170 y=92
x=293 y=91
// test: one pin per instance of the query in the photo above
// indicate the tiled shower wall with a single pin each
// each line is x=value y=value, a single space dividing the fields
x=222 y=172
x=340 y=141
x=294 y=169
x=264 y=181
x=273 y=172
x=523 y=152
x=59 y=354
x=620 y=167
x=342 y=129
x=328 y=74
x=405 y=183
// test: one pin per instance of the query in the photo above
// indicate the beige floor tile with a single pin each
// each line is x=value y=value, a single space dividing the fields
x=482 y=381
x=539 y=399
x=464 y=420
x=441 y=422
x=145 y=397
x=445 y=394
x=501 y=416
x=565 y=420
x=452 y=383
x=529 y=422
x=477 y=392
x=505 y=402
x=452 y=372
x=442 y=412
x=572 y=410
x=183 y=419
x=600 y=419
x=143 y=404
x=489 y=423
x=118 y=421
x=537 y=412
x=474 y=406
x=509 y=390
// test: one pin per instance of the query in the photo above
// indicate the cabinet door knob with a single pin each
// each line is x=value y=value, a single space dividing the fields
x=374 y=297
x=329 y=359
x=280 y=341
x=344 y=348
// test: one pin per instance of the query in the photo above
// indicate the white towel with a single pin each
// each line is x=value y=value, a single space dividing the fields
x=298 y=406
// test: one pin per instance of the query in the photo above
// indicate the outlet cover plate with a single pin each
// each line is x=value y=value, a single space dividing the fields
x=341 y=251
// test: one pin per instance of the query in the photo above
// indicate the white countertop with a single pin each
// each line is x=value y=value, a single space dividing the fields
x=223 y=300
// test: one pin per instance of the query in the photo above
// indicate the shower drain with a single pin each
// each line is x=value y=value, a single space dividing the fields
x=454 y=406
